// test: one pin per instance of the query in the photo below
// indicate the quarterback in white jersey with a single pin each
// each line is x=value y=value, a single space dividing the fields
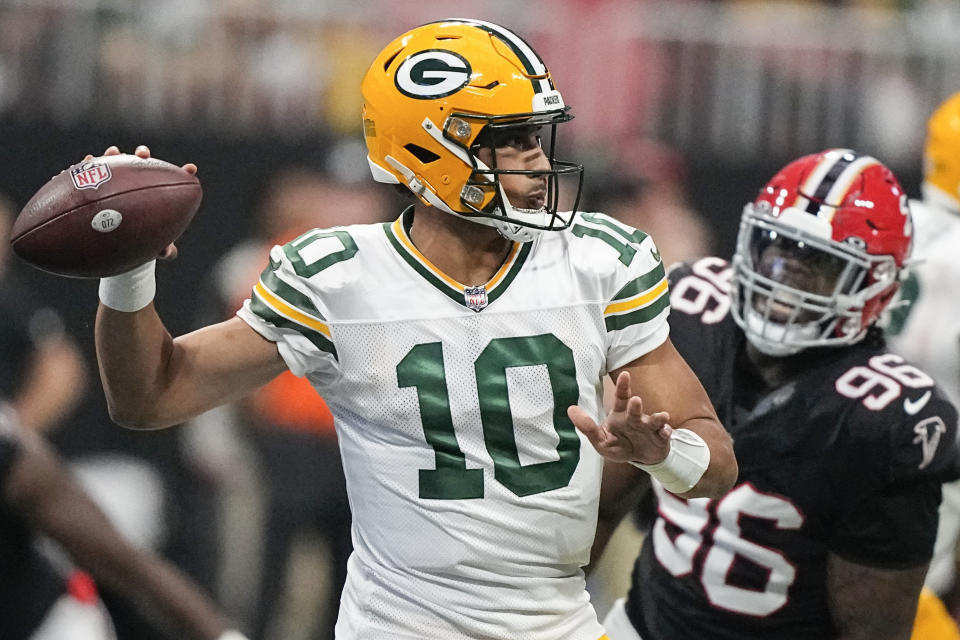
x=926 y=326
x=461 y=462
x=461 y=350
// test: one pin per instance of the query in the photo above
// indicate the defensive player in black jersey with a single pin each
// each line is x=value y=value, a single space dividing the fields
x=42 y=600
x=842 y=445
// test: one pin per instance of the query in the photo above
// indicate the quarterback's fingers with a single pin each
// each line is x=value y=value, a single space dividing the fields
x=112 y=150
x=658 y=421
x=169 y=252
x=586 y=425
x=660 y=418
x=621 y=393
x=634 y=408
x=190 y=168
x=142 y=151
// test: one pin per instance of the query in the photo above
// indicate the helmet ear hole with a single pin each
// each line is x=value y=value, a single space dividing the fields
x=390 y=59
x=425 y=156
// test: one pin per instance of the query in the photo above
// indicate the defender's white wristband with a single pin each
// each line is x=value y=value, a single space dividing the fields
x=684 y=465
x=130 y=291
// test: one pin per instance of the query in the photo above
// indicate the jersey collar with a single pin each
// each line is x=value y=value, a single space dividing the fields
x=456 y=291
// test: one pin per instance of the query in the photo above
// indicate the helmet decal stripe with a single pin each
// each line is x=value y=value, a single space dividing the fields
x=847 y=178
x=830 y=181
x=833 y=173
x=811 y=184
x=531 y=62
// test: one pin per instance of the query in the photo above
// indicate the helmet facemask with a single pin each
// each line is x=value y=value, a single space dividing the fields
x=484 y=193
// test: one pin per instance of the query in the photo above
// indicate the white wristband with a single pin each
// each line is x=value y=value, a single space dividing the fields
x=130 y=291
x=684 y=465
x=231 y=634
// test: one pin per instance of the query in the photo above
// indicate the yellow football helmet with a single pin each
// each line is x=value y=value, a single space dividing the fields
x=437 y=93
x=941 y=155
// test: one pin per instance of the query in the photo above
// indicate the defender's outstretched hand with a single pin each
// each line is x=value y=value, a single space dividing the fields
x=628 y=434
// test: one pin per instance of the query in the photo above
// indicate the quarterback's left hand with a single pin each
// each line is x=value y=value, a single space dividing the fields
x=628 y=434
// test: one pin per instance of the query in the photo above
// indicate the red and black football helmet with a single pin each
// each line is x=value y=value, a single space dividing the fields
x=819 y=252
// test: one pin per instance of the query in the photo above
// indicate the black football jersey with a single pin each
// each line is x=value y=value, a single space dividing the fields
x=846 y=458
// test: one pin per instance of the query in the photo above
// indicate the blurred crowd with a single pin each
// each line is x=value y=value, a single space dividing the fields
x=744 y=79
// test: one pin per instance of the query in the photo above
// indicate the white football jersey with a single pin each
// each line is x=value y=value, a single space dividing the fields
x=474 y=497
x=928 y=332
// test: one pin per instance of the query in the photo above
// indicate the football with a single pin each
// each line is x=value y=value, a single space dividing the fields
x=105 y=215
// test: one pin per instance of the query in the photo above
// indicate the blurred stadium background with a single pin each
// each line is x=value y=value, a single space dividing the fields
x=716 y=94
x=243 y=86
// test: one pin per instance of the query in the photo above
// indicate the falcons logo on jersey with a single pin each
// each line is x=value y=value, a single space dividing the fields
x=928 y=437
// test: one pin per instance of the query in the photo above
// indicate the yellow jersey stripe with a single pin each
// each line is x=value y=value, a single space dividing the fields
x=639 y=301
x=291 y=312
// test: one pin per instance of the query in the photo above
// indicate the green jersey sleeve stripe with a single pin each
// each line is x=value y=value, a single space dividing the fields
x=641 y=284
x=645 y=314
x=288 y=294
x=266 y=313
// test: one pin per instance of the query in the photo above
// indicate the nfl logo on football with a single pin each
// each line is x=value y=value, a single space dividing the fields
x=89 y=175
x=476 y=297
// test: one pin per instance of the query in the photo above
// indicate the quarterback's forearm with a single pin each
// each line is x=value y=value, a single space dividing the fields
x=153 y=381
x=665 y=382
x=721 y=473
x=133 y=355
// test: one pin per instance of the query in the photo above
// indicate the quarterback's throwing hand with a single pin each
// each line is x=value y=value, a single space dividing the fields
x=143 y=151
x=628 y=434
